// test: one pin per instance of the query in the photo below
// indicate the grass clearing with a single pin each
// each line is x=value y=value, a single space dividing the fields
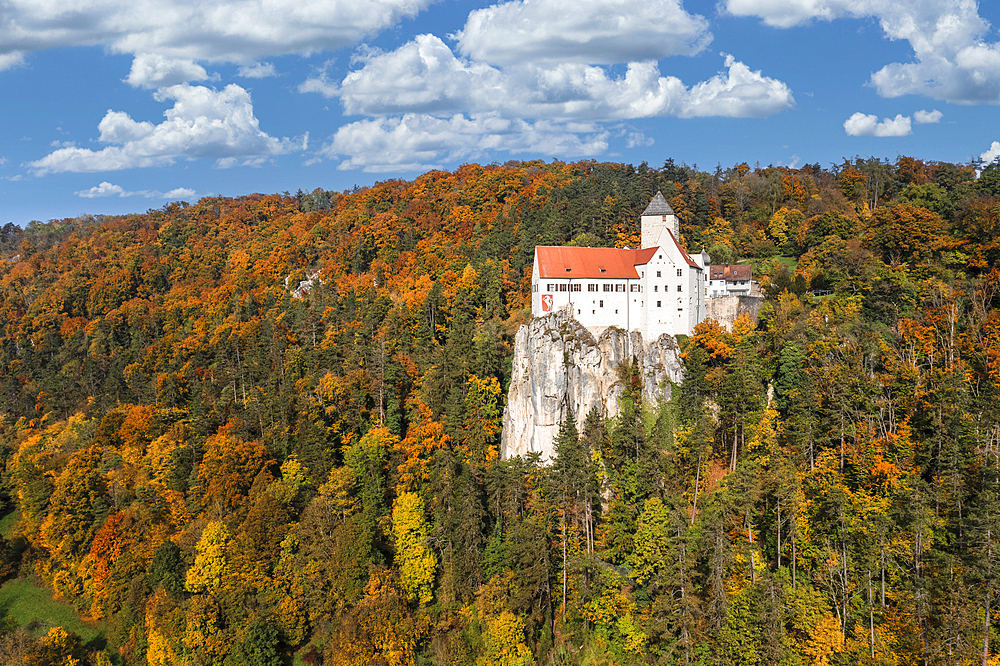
x=32 y=606
x=791 y=263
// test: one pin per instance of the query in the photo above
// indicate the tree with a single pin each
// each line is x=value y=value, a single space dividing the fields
x=415 y=560
x=905 y=233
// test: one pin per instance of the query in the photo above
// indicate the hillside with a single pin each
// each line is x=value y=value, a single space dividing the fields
x=245 y=428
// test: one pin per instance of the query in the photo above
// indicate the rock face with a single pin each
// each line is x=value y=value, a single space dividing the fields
x=559 y=367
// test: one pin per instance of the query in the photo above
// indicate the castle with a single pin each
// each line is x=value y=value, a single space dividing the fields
x=656 y=289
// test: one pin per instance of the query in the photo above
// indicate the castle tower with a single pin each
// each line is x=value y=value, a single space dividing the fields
x=657 y=217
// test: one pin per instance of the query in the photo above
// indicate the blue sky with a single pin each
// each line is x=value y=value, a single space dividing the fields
x=112 y=106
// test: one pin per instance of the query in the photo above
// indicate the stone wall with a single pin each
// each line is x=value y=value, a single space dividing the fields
x=725 y=309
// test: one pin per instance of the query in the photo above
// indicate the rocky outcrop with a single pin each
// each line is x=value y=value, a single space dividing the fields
x=559 y=366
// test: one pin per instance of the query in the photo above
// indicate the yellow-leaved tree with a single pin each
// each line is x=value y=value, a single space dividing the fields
x=415 y=560
x=210 y=561
x=504 y=642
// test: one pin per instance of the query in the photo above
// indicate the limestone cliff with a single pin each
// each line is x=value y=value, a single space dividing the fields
x=559 y=365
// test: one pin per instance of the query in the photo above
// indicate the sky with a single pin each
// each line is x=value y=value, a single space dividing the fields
x=118 y=106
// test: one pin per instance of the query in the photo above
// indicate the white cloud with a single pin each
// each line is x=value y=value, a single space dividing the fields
x=583 y=31
x=11 y=59
x=636 y=139
x=106 y=189
x=420 y=76
x=868 y=125
x=203 y=123
x=416 y=142
x=952 y=60
x=926 y=117
x=424 y=76
x=739 y=93
x=241 y=31
x=992 y=154
x=260 y=70
x=150 y=70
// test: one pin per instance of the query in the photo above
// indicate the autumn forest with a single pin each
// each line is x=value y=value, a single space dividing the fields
x=265 y=430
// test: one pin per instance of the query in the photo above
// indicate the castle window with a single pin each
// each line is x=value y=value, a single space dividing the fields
x=591 y=287
x=601 y=304
x=657 y=273
x=568 y=270
x=656 y=288
x=657 y=304
x=678 y=288
x=577 y=287
x=550 y=287
x=563 y=287
x=607 y=287
x=680 y=272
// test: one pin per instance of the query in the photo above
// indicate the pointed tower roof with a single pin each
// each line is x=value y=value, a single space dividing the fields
x=658 y=206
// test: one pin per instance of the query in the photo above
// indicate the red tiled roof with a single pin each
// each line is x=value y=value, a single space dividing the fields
x=731 y=272
x=591 y=262
x=690 y=262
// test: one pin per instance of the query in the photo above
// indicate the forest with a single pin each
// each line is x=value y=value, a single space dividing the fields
x=264 y=430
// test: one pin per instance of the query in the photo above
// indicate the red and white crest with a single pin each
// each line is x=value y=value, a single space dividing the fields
x=546 y=302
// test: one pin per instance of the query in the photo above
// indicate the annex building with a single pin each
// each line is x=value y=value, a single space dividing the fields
x=656 y=289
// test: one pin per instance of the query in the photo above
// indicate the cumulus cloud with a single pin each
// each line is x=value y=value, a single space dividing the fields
x=416 y=142
x=260 y=70
x=738 y=93
x=991 y=154
x=150 y=70
x=861 y=124
x=952 y=60
x=585 y=31
x=425 y=76
x=106 y=189
x=203 y=123
x=927 y=117
x=241 y=31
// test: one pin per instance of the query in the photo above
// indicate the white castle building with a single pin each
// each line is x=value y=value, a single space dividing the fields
x=656 y=289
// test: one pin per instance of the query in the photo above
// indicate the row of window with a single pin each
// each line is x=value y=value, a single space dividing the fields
x=680 y=273
x=635 y=288
x=659 y=304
